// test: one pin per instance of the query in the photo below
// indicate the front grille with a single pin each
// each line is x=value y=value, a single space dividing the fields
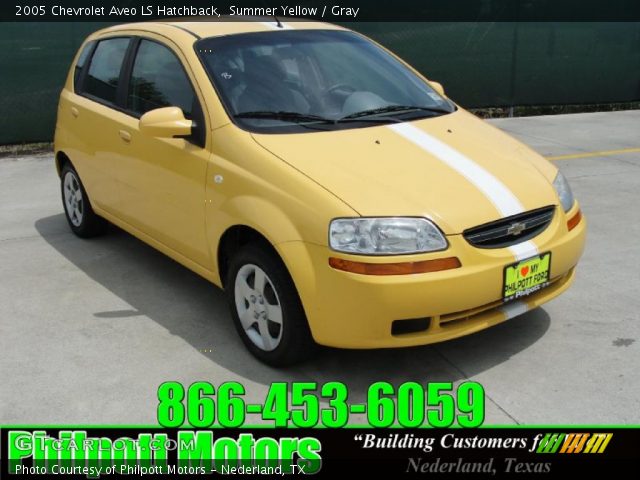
x=451 y=320
x=511 y=230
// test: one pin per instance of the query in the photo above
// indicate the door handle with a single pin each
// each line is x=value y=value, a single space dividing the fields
x=124 y=135
x=75 y=112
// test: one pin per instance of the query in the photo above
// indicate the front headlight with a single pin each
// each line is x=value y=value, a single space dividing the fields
x=385 y=236
x=564 y=192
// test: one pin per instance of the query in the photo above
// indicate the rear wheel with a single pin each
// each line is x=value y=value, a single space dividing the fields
x=81 y=217
x=266 y=309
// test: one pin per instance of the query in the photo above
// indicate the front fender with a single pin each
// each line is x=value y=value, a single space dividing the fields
x=256 y=213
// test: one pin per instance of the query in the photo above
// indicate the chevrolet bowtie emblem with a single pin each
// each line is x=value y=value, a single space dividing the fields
x=516 y=228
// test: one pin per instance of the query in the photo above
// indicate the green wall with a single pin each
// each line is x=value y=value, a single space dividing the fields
x=480 y=64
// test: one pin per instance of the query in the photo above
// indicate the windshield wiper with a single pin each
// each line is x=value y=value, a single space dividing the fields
x=306 y=118
x=295 y=117
x=393 y=109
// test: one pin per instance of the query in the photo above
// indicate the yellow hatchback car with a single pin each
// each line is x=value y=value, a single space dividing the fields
x=338 y=197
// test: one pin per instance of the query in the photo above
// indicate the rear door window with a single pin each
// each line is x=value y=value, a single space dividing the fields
x=82 y=59
x=104 y=71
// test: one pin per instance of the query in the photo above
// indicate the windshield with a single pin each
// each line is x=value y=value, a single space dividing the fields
x=291 y=81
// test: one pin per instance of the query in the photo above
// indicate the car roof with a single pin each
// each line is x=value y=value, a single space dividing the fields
x=204 y=29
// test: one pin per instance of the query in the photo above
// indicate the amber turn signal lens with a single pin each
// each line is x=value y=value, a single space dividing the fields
x=575 y=220
x=403 y=268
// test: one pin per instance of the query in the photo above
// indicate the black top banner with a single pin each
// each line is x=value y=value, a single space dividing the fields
x=339 y=11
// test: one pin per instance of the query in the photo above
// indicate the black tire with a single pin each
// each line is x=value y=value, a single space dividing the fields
x=86 y=223
x=295 y=342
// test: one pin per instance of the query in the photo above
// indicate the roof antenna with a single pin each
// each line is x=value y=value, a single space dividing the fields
x=278 y=24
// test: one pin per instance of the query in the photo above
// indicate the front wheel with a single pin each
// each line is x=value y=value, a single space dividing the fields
x=266 y=308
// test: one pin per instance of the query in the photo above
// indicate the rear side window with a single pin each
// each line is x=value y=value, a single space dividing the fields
x=104 y=71
x=158 y=80
x=82 y=59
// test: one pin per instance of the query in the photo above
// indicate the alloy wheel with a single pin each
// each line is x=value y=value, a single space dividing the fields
x=258 y=307
x=73 y=199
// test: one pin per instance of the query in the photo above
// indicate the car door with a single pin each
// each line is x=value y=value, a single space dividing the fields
x=162 y=180
x=93 y=115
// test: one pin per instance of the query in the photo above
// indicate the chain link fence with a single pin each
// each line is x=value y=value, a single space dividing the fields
x=499 y=64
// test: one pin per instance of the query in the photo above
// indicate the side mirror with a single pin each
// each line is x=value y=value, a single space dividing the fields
x=437 y=87
x=165 y=123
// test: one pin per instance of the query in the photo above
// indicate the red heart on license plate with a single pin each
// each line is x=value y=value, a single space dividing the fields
x=524 y=271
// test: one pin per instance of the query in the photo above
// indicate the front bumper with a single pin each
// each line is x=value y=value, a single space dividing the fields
x=357 y=311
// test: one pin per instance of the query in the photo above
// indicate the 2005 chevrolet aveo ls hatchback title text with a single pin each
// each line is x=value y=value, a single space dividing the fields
x=338 y=197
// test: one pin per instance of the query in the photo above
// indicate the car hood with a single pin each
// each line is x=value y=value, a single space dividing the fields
x=455 y=169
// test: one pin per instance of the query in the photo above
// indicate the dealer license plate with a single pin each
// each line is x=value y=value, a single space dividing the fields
x=526 y=277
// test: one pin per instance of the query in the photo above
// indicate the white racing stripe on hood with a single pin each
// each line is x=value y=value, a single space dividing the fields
x=500 y=196
x=514 y=309
x=524 y=250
